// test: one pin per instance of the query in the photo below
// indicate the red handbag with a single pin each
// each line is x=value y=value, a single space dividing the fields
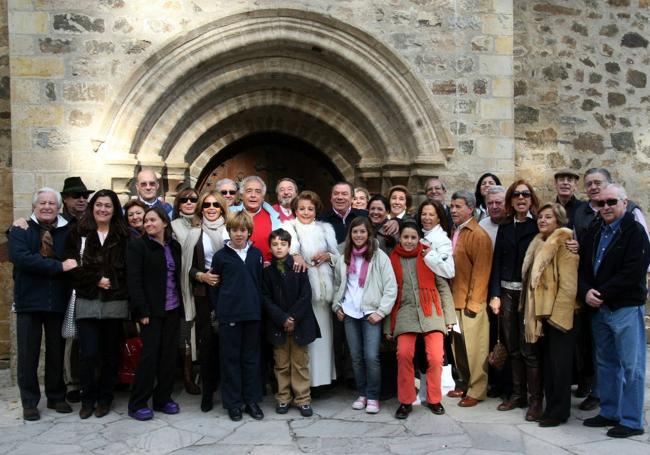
x=131 y=350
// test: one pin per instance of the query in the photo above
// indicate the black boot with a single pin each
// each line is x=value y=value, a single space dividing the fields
x=534 y=379
x=518 y=397
x=188 y=376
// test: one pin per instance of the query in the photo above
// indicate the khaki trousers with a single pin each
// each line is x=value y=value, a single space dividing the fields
x=292 y=373
x=471 y=349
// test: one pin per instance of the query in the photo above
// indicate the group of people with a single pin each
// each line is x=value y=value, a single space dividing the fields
x=317 y=295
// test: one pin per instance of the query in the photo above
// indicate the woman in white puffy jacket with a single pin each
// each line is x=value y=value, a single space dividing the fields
x=365 y=292
x=435 y=235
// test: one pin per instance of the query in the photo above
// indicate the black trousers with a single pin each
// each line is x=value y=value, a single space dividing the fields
x=99 y=352
x=29 y=332
x=513 y=334
x=207 y=345
x=558 y=348
x=584 y=352
x=240 y=355
x=157 y=361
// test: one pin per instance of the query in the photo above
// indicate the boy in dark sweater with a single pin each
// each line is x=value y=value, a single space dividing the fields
x=290 y=325
x=238 y=306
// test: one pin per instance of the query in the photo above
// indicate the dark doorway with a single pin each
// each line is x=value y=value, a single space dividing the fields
x=273 y=156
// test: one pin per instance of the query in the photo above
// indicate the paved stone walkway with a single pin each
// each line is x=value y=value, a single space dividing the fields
x=334 y=429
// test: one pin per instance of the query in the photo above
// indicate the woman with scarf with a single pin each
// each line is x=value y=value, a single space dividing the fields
x=184 y=207
x=436 y=239
x=206 y=237
x=365 y=294
x=550 y=278
x=425 y=307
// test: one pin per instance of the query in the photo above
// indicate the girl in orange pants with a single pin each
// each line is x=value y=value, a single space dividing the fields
x=424 y=307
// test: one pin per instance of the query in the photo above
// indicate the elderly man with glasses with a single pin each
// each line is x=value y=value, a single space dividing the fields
x=228 y=189
x=614 y=257
x=147 y=186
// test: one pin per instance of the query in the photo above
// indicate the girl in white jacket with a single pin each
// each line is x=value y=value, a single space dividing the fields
x=435 y=235
x=365 y=293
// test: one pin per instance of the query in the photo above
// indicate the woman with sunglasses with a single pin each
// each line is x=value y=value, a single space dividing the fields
x=206 y=236
x=513 y=237
x=229 y=191
x=183 y=212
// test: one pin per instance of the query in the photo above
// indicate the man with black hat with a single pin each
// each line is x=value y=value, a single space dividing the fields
x=566 y=183
x=75 y=198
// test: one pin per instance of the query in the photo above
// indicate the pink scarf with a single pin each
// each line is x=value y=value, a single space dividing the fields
x=364 y=265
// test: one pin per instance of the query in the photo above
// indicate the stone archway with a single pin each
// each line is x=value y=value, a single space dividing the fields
x=288 y=72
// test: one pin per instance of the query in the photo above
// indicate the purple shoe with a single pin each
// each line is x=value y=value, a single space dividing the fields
x=171 y=407
x=142 y=414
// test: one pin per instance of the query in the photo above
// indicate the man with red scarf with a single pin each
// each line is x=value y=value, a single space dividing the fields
x=473 y=260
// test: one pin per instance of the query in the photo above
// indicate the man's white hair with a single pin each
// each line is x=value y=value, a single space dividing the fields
x=252 y=178
x=47 y=189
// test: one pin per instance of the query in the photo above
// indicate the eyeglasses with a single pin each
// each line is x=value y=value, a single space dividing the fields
x=207 y=205
x=192 y=199
x=230 y=192
x=609 y=202
x=525 y=194
x=78 y=195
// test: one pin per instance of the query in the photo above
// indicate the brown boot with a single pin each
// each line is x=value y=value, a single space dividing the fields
x=188 y=376
x=516 y=399
x=534 y=378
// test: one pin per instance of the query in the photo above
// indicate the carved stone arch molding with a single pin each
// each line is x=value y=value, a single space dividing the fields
x=291 y=71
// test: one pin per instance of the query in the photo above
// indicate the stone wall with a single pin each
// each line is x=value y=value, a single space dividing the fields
x=72 y=58
x=581 y=91
x=6 y=190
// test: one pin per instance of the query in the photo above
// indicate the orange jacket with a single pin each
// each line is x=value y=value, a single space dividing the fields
x=473 y=261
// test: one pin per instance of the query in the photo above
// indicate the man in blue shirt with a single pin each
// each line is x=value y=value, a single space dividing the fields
x=614 y=257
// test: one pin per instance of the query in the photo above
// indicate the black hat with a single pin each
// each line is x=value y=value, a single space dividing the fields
x=75 y=185
x=566 y=173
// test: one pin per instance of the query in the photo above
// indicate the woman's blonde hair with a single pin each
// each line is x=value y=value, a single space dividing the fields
x=198 y=211
x=558 y=211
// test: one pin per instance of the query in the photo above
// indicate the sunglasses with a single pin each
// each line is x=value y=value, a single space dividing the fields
x=525 y=194
x=609 y=202
x=79 y=195
x=230 y=192
x=188 y=199
x=207 y=205
x=145 y=184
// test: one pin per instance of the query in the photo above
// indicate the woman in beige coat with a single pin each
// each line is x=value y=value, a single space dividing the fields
x=550 y=280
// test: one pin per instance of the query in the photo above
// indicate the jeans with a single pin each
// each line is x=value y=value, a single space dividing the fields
x=363 y=341
x=620 y=345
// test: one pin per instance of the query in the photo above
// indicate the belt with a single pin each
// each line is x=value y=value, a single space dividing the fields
x=511 y=285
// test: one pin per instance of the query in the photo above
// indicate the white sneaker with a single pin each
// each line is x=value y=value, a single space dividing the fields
x=359 y=403
x=372 y=407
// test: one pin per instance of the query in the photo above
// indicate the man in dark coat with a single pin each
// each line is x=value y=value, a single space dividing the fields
x=614 y=257
x=41 y=293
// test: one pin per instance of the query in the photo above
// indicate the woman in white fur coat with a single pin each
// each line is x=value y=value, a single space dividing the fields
x=314 y=247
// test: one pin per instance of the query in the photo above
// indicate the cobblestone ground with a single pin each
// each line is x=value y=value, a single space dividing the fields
x=334 y=429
